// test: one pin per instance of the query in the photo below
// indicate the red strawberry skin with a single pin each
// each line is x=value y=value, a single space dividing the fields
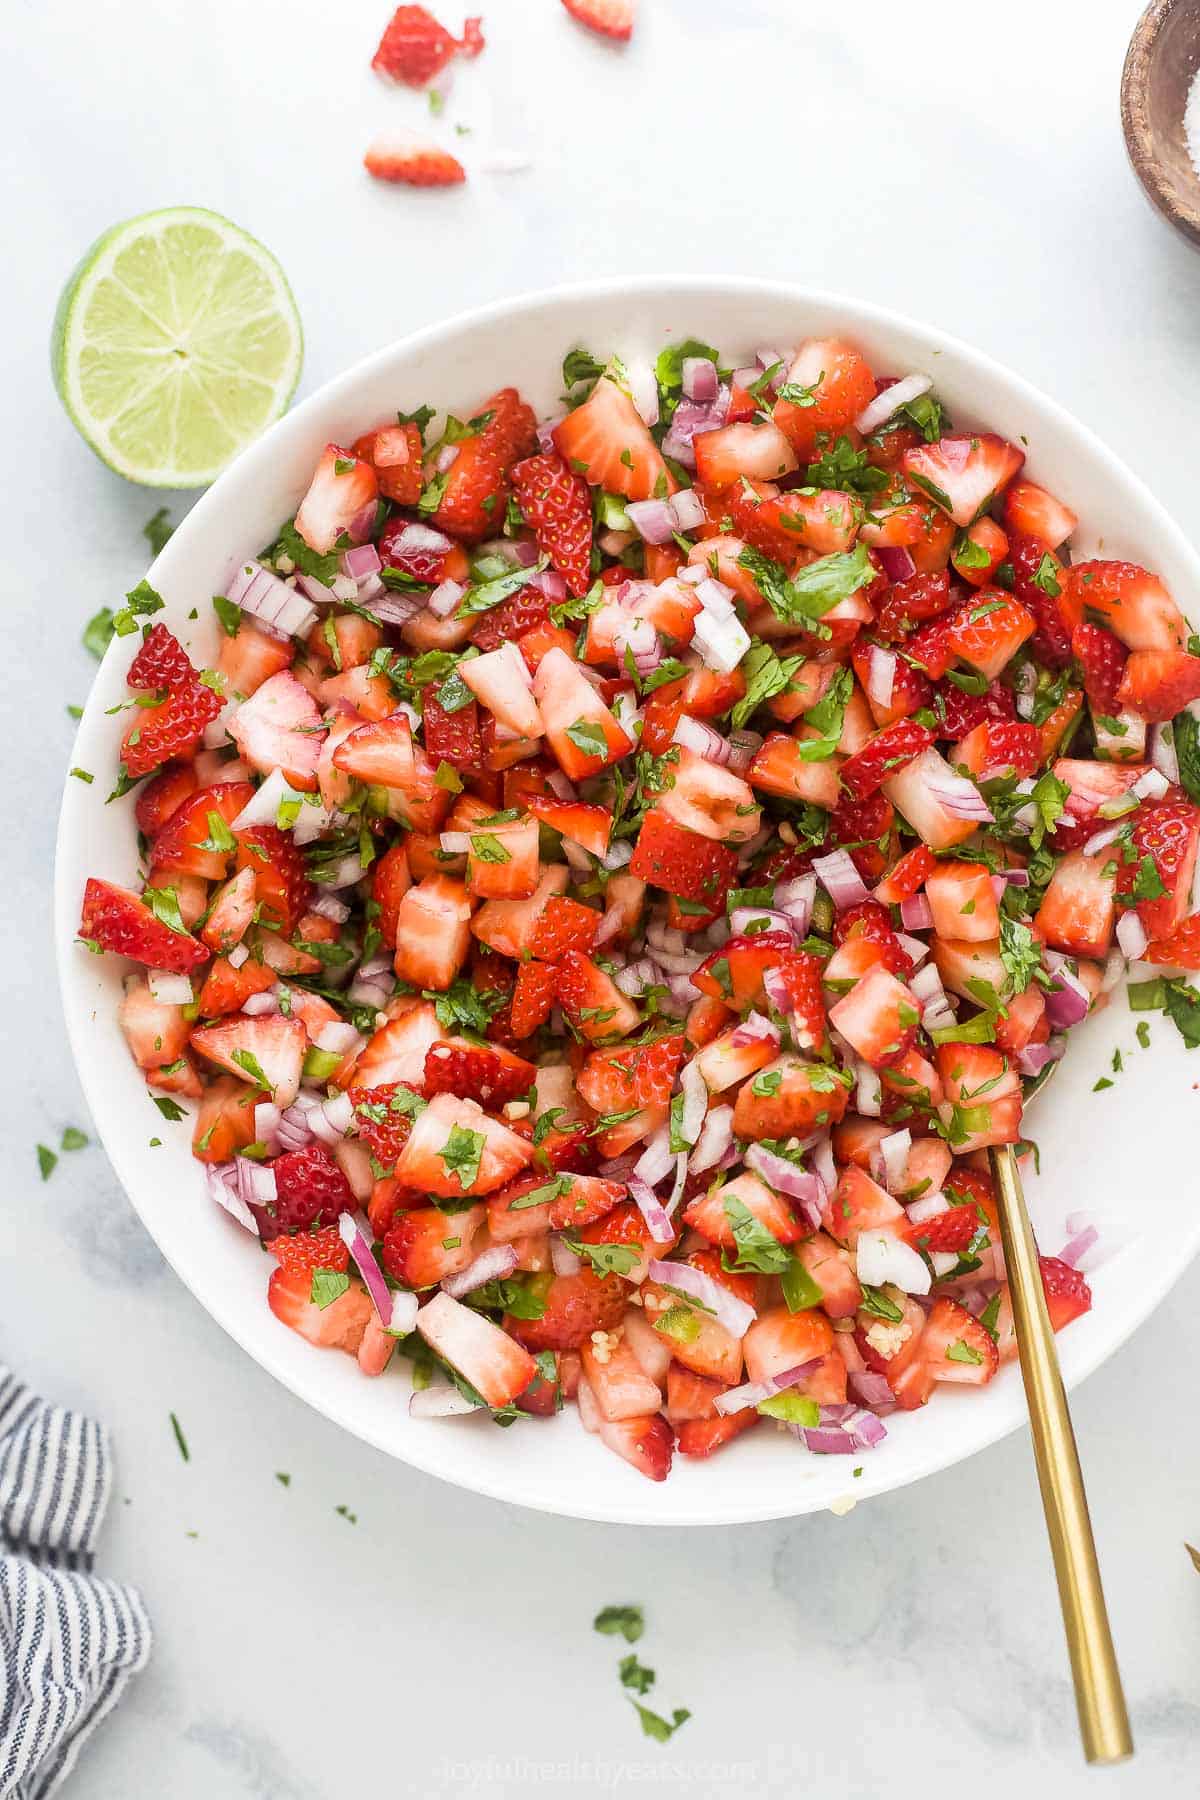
x=682 y=863
x=172 y=728
x=310 y=1250
x=122 y=922
x=474 y=1073
x=310 y=1190
x=608 y=18
x=413 y=165
x=557 y=504
x=1051 y=642
x=1067 y=1292
x=452 y=737
x=533 y=998
x=384 y=1129
x=472 y=505
x=1168 y=835
x=414 y=48
x=1102 y=658
x=511 y=619
x=890 y=749
x=162 y=662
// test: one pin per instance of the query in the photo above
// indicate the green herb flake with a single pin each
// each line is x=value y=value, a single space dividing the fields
x=620 y=1621
x=177 y=1428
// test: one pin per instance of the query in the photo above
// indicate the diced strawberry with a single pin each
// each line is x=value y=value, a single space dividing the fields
x=724 y=1063
x=871 y=921
x=808 y=1096
x=710 y=800
x=859 y=1204
x=155 y=1032
x=911 y=603
x=960 y=712
x=492 y=1076
x=780 y=1340
x=689 y=1396
x=983 y=1096
x=963 y=474
x=120 y=921
x=979 y=552
x=681 y=862
x=998 y=748
x=224 y=1120
x=640 y=1075
x=533 y=997
x=962 y=902
x=878 y=1017
x=734 y=973
x=1102 y=658
x=1181 y=949
x=172 y=728
x=486 y=1357
x=866 y=829
x=472 y=503
x=827 y=385
x=163 y=795
x=383 y=1127
x=646 y=1443
x=621 y=1386
x=558 y=507
x=583 y=823
x=267 y=1051
x=1067 y=1293
x=610 y=19
x=832 y=1268
x=698 y=1438
x=414 y=48
x=758 y=452
x=1132 y=603
x=433 y=933
x=780 y=767
x=574 y=1307
x=892 y=748
x=948 y=1231
x=451 y=737
x=988 y=631
x=395 y=453
x=342 y=488
x=455 y=1148
x=702 y=695
x=580 y=729
x=606 y=442
x=1035 y=512
x=907 y=877
x=310 y=1192
x=502 y=862
x=412 y=162
x=592 y=1001
x=707 y=1215
x=282 y=887
x=161 y=662
x=227 y=989
x=1167 y=834
x=527 y=609
x=191 y=843
x=310 y=1250
x=423 y=1245
x=280 y=727
x=338 y=1326
x=1157 y=684
x=955 y=1346
x=231 y=913
x=801 y=972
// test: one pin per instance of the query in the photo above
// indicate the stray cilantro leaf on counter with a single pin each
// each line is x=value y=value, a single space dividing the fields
x=74 y=1139
x=343 y=1512
x=282 y=1479
x=157 y=530
x=1174 y=996
x=47 y=1161
x=626 y=1621
x=98 y=632
x=634 y=1674
x=177 y=1428
x=658 y=1728
x=83 y=775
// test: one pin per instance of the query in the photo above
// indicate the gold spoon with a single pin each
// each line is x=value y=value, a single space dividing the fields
x=1099 y=1696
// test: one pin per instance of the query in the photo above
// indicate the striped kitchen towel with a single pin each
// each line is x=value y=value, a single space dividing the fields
x=69 y=1640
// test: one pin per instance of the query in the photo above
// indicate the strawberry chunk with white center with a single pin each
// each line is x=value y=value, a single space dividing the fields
x=582 y=731
x=758 y=452
x=454 y=1148
x=156 y=1032
x=606 y=441
x=379 y=751
x=231 y=914
x=486 y=1357
x=962 y=902
x=338 y=1326
x=859 y=1204
x=878 y=1017
x=507 y=926
x=340 y=493
x=268 y=1052
x=433 y=932
x=398 y=1049
x=280 y=727
x=723 y=1063
x=622 y=1388
x=711 y=801
x=963 y=474
x=1078 y=911
x=500 y=680
x=502 y=862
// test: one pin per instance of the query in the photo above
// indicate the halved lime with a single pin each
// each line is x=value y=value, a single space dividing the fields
x=176 y=342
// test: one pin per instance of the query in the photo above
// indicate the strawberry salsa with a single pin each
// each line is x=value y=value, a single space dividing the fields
x=621 y=871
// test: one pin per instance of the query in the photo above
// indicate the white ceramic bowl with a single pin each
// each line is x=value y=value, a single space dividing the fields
x=1107 y=1152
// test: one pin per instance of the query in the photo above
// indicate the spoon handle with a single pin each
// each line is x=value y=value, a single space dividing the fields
x=1103 y=1719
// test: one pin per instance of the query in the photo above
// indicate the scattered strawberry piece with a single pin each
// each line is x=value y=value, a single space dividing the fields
x=1181 y=950
x=911 y=603
x=410 y=163
x=1067 y=1293
x=1157 y=684
x=608 y=18
x=556 y=503
x=872 y=921
x=1167 y=834
x=162 y=662
x=643 y=1075
x=415 y=49
x=174 y=727
x=907 y=877
x=493 y=1077
x=475 y=491
x=281 y=883
x=563 y=925
x=677 y=860
x=525 y=611
x=452 y=737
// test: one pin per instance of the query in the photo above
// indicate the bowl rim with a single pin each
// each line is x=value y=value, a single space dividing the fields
x=1135 y=122
x=655 y=1508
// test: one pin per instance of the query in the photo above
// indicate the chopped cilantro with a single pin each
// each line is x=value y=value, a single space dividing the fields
x=624 y=1621
x=157 y=530
x=46 y=1160
x=327 y=1286
x=462 y=1153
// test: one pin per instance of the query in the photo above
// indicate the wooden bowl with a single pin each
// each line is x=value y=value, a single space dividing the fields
x=1163 y=57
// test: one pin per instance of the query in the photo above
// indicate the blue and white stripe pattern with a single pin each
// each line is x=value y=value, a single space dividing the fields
x=69 y=1640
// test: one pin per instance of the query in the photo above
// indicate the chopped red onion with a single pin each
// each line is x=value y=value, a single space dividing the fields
x=651 y=1209
x=639 y=637
x=328 y=906
x=758 y=919
x=395 y=609
x=1078 y=1246
x=899 y=394
x=695 y=1102
x=715 y=1140
x=881 y=675
x=257 y=1006
x=266 y=1124
x=734 y=1314
x=263 y=806
x=404 y=1313
x=897 y=562
x=219 y=1179
x=445 y=597
x=916 y=914
x=1132 y=934
x=700 y=379
x=1067 y=1000
x=802 y=1185
x=615 y=543
x=958 y=795
x=294 y=1131
x=754 y=1029
x=695 y=735
x=716 y=598
x=492 y=1264
x=643 y=390
x=653 y=520
x=277 y=607
x=553 y=587
x=355 y=1234
x=929 y=1206
x=338 y=1037
x=688 y=509
x=840 y=879
x=617 y=856
x=894 y=1150
x=1033 y=1059
x=872 y=1389
x=916 y=949
x=360 y=562
x=795 y=898
x=563 y=1260
x=637 y=976
x=238 y=955
x=440 y=1401
x=1100 y=840
x=868 y=1090
x=1152 y=784
x=168 y=988
x=1163 y=753
x=657 y=1160
x=255 y=1182
x=316 y=591
x=752 y=1393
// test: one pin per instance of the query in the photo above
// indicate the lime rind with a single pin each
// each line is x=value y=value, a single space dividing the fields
x=176 y=342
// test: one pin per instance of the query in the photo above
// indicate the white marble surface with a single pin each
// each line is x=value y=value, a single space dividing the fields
x=963 y=165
